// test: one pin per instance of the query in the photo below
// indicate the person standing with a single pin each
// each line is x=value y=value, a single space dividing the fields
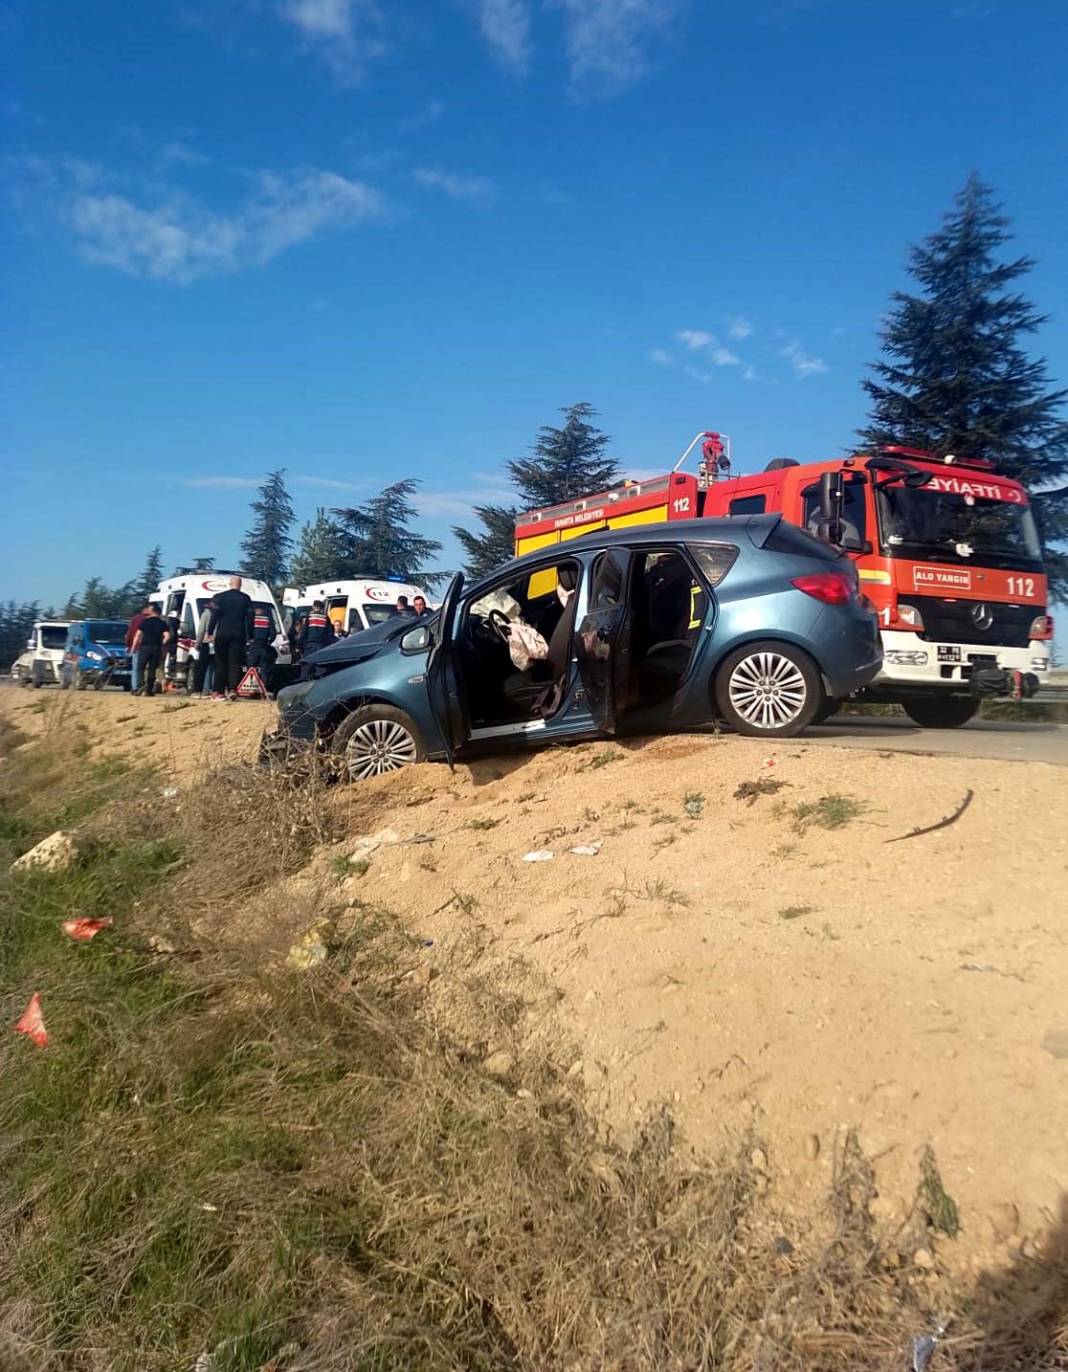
x=202 y=664
x=402 y=607
x=229 y=631
x=150 y=639
x=419 y=604
x=261 y=651
x=316 y=632
x=131 y=633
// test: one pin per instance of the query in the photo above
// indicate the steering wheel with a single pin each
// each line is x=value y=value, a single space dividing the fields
x=500 y=624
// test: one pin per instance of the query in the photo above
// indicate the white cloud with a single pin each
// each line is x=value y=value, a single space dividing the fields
x=329 y=483
x=181 y=153
x=345 y=33
x=178 y=238
x=223 y=483
x=447 y=503
x=612 y=43
x=456 y=187
x=661 y=357
x=697 y=340
x=802 y=363
x=694 y=339
x=505 y=25
x=429 y=114
x=739 y=327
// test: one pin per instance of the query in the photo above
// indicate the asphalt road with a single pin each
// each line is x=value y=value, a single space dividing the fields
x=1000 y=739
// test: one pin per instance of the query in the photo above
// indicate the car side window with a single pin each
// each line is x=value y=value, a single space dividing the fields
x=714 y=559
x=606 y=587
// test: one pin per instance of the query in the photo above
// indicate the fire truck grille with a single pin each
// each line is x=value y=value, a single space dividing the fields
x=972 y=621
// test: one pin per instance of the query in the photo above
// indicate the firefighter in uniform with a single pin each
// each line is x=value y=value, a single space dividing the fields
x=261 y=653
x=316 y=633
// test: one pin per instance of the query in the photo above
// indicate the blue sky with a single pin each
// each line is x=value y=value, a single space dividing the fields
x=365 y=239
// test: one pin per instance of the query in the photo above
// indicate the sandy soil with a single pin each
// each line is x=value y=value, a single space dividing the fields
x=738 y=965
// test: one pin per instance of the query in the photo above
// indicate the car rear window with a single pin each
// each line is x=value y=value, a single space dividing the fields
x=788 y=538
x=714 y=559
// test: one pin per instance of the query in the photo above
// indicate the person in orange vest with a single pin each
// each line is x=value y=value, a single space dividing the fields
x=261 y=653
x=316 y=633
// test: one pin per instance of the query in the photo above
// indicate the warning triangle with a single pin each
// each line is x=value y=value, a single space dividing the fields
x=251 y=686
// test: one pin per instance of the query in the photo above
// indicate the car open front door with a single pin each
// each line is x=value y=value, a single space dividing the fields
x=602 y=638
x=443 y=676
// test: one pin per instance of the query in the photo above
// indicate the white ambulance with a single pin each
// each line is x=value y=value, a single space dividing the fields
x=351 y=605
x=187 y=595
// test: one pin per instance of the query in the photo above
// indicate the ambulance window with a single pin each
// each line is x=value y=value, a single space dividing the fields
x=853 y=514
x=748 y=504
x=188 y=628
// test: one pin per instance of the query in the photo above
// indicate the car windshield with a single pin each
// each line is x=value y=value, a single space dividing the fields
x=944 y=526
x=378 y=614
x=52 y=637
x=110 y=631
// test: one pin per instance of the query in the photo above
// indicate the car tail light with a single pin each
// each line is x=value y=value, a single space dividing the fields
x=831 y=587
x=1041 y=628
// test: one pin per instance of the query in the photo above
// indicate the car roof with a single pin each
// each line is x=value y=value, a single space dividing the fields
x=726 y=529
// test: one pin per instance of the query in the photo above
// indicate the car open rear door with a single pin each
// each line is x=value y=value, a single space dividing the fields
x=443 y=676
x=602 y=639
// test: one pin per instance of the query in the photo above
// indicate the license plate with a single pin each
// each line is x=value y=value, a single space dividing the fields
x=949 y=653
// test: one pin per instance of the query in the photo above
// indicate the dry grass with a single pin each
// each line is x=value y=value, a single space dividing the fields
x=309 y=1173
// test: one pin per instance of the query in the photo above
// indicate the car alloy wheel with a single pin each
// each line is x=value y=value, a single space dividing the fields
x=377 y=746
x=768 y=690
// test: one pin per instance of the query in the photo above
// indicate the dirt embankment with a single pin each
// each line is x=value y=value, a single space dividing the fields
x=743 y=943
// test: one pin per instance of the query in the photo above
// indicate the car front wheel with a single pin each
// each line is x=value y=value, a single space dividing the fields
x=769 y=690
x=376 y=739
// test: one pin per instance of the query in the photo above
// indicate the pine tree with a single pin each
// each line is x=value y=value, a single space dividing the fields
x=956 y=378
x=488 y=550
x=16 y=623
x=148 y=582
x=319 y=553
x=203 y=564
x=376 y=540
x=265 y=548
x=567 y=462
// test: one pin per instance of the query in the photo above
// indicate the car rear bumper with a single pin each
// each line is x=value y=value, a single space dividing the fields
x=909 y=660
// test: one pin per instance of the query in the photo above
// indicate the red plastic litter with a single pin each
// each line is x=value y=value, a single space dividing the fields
x=84 y=929
x=32 y=1022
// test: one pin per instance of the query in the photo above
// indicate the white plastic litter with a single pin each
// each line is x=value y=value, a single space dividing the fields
x=586 y=849
x=538 y=855
x=169 y=792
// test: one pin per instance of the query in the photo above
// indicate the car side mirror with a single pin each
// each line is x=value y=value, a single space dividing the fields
x=416 y=640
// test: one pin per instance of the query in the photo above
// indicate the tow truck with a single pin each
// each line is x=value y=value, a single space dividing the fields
x=946 y=550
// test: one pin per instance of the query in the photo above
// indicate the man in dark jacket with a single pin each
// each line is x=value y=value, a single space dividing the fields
x=149 y=642
x=230 y=629
x=317 y=632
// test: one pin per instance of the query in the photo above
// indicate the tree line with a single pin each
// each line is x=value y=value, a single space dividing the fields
x=954 y=377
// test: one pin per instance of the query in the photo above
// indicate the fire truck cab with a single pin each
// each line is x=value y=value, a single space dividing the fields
x=946 y=549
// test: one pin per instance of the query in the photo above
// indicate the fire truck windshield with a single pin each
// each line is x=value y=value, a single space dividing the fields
x=942 y=526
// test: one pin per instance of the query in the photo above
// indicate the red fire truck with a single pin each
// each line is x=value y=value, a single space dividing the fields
x=946 y=550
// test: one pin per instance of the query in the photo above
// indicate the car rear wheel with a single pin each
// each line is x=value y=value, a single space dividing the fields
x=376 y=739
x=769 y=690
x=941 y=712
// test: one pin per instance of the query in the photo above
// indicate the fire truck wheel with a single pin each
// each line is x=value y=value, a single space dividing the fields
x=376 y=739
x=941 y=712
x=769 y=690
